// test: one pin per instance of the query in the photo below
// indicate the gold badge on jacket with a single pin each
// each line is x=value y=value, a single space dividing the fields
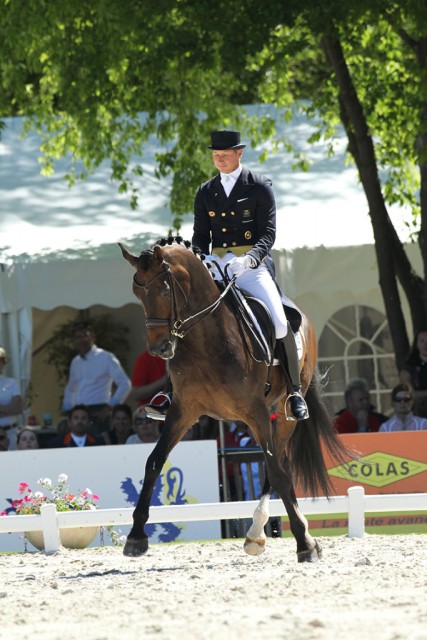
x=246 y=213
x=212 y=214
x=248 y=235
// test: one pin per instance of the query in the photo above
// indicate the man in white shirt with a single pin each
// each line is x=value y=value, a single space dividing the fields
x=403 y=420
x=92 y=375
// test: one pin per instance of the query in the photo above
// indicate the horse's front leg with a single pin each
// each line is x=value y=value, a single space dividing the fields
x=137 y=540
x=174 y=429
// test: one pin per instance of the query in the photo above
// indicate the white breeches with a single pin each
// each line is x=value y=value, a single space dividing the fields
x=259 y=283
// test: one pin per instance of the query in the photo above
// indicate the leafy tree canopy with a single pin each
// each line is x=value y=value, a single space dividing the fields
x=85 y=71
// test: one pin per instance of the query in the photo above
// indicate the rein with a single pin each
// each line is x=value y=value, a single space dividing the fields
x=179 y=327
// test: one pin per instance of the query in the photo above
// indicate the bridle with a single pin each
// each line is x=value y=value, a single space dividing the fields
x=178 y=327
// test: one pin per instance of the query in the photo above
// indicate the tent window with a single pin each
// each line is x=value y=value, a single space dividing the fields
x=356 y=343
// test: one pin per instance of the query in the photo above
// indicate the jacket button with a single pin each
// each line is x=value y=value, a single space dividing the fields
x=223 y=215
x=224 y=244
x=223 y=229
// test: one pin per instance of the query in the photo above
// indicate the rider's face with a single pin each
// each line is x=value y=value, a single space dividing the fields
x=228 y=160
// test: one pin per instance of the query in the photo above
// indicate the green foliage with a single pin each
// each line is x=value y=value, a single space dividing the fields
x=385 y=71
x=84 y=71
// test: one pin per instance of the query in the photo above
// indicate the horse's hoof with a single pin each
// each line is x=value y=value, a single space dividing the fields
x=254 y=547
x=312 y=555
x=135 y=548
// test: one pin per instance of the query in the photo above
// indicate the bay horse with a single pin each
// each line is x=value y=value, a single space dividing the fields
x=193 y=326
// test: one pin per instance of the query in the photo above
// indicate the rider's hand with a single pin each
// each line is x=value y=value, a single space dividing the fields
x=237 y=266
x=209 y=262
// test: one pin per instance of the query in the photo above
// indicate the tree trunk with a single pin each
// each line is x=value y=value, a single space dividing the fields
x=391 y=256
x=421 y=52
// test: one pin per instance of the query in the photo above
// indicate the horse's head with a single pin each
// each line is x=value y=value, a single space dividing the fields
x=162 y=283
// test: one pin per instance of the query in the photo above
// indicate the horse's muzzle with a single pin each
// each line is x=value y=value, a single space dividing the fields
x=165 y=349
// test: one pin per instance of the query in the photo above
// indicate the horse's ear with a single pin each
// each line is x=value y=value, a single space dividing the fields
x=133 y=260
x=158 y=253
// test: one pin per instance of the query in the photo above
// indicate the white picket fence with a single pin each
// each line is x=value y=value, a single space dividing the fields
x=355 y=503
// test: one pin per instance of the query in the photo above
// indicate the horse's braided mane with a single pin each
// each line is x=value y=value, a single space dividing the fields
x=146 y=255
x=178 y=240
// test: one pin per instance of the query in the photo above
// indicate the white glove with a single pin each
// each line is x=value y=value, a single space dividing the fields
x=237 y=266
x=208 y=261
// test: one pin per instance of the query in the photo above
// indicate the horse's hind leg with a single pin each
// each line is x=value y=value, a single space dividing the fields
x=308 y=549
x=254 y=544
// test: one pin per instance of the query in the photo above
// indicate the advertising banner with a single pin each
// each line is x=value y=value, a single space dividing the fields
x=386 y=463
x=115 y=473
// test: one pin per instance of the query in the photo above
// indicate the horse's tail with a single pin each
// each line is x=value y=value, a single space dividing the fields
x=305 y=445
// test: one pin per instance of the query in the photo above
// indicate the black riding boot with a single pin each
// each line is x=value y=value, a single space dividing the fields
x=286 y=351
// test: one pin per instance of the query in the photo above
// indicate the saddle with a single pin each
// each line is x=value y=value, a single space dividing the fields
x=257 y=319
x=254 y=315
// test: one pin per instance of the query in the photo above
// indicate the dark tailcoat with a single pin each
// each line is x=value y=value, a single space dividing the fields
x=246 y=218
x=59 y=442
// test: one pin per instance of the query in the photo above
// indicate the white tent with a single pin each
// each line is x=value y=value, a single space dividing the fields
x=58 y=246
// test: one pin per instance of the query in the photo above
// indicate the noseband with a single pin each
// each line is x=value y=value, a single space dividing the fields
x=178 y=328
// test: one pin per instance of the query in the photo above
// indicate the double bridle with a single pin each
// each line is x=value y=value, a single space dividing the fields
x=178 y=328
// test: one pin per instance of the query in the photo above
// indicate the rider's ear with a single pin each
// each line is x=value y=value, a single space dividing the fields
x=158 y=253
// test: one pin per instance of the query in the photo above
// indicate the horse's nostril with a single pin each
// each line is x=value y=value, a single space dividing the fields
x=166 y=348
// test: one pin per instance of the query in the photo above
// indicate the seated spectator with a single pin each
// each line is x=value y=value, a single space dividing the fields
x=414 y=372
x=27 y=439
x=146 y=428
x=4 y=440
x=359 y=414
x=11 y=402
x=239 y=430
x=78 y=436
x=121 y=424
x=403 y=419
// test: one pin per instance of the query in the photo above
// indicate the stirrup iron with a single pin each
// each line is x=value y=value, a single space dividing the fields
x=290 y=416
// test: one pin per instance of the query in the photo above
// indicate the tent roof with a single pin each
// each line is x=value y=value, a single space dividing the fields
x=42 y=221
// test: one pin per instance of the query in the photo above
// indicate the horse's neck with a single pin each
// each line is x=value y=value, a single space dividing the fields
x=213 y=324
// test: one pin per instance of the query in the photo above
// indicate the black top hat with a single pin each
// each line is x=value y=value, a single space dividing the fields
x=222 y=140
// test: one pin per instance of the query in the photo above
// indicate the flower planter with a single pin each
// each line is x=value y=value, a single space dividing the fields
x=77 y=538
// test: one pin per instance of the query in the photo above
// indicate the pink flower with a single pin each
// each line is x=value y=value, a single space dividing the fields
x=23 y=487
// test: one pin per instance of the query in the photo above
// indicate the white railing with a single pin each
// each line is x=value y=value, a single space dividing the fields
x=355 y=503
